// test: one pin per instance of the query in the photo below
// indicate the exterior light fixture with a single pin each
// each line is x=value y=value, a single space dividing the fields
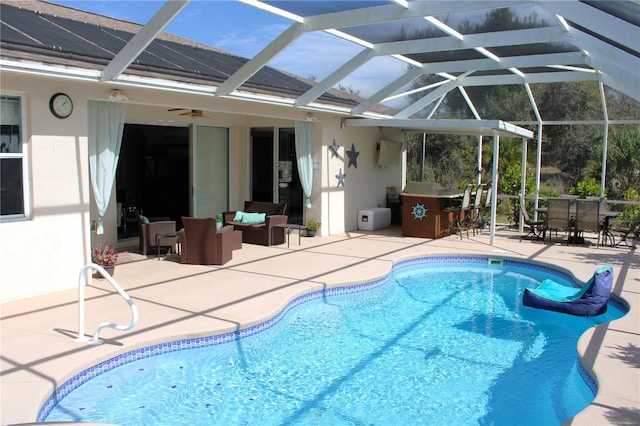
x=116 y=95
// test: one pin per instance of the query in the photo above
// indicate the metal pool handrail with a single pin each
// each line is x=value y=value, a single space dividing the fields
x=82 y=282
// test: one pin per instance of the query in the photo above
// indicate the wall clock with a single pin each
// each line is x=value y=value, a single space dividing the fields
x=61 y=105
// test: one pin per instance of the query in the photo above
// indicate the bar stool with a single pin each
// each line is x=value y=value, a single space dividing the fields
x=465 y=207
x=476 y=207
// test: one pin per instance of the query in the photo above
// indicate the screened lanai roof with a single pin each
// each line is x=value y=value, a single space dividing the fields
x=456 y=44
x=475 y=41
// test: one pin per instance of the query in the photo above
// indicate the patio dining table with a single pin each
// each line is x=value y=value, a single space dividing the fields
x=605 y=228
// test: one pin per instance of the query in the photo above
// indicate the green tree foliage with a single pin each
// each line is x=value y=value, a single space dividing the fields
x=623 y=161
x=570 y=147
x=510 y=103
x=484 y=98
x=587 y=187
x=449 y=160
x=414 y=154
x=510 y=181
x=620 y=107
x=510 y=172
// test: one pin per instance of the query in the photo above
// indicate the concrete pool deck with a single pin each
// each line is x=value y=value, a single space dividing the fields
x=178 y=301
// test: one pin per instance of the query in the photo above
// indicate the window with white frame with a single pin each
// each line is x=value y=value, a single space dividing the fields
x=12 y=159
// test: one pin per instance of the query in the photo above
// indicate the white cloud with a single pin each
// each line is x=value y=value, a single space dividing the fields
x=315 y=54
x=247 y=43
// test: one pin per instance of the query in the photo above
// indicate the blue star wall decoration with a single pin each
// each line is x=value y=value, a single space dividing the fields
x=340 y=176
x=353 y=156
x=334 y=149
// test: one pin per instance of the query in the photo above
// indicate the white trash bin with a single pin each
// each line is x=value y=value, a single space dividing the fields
x=374 y=218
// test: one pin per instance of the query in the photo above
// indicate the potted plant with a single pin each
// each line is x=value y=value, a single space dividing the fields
x=312 y=226
x=219 y=221
x=107 y=258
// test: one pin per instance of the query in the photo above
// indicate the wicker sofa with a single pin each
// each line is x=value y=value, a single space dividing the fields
x=259 y=230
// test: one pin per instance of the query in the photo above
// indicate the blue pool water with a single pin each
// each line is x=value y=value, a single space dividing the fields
x=435 y=343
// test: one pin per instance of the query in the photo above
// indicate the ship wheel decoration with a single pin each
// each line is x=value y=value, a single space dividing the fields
x=419 y=211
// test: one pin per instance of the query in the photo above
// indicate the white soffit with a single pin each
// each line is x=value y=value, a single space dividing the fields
x=455 y=127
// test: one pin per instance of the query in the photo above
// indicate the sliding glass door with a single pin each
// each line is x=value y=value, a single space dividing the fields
x=289 y=186
x=274 y=169
x=210 y=182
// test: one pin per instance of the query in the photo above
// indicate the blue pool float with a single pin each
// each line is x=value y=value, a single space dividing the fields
x=589 y=300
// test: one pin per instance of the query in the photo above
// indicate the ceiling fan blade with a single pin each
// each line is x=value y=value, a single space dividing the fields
x=193 y=113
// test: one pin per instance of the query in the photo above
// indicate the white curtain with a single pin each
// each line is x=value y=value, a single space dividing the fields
x=106 y=124
x=304 y=144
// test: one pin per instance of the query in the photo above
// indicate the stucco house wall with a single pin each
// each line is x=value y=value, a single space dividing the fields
x=364 y=185
x=45 y=252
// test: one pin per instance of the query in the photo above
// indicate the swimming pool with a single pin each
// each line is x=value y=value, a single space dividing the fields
x=445 y=347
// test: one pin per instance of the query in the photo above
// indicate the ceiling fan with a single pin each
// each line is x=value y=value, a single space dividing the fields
x=194 y=113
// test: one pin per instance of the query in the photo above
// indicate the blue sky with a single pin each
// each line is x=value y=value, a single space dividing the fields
x=245 y=30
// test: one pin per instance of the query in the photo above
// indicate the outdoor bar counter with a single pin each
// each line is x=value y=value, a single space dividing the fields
x=423 y=209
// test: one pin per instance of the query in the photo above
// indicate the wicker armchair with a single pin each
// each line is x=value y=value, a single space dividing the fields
x=203 y=244
x=151 y=227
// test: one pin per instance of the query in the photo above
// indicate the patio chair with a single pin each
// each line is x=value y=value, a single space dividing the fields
x=150 y=228
x=557 y=215
x=536 y=227
x=624 y=233
x=203 y=244
x=587 y=218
